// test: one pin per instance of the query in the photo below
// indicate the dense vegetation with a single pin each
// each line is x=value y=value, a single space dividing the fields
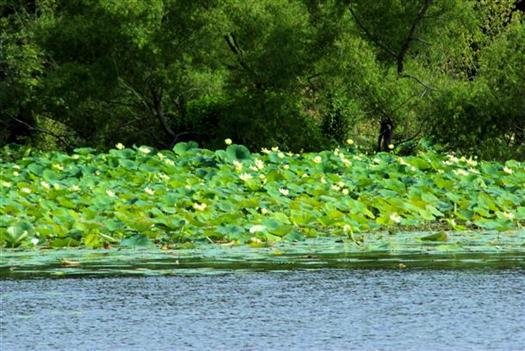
x=139 y=195
x=299 y=74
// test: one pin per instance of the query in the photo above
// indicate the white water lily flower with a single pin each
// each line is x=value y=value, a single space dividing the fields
x=110 y=193
x=349 y=141
x=264 y=210
x=74 y=188
x=507 y=170
x=145 y=150
x=6 y=184
x=161 y=156
x=460 y=172
x=317 y=159
x=58 y=166
x=34 y=241
x=257 y=228
x=26 y=190
x=75 y=157
x=199 y=206
x=57 y=186
x=508 y=215
x=120 y=146
x=275 y=148
x=345 y=191
x=323 y=181
x=265 y=150
x=237 y=165
x=16 y=167
x=280 y=154
x=259 y=164
x=347 y=228
x=163 y=176
x=335 y=187
x=169 y=162
x=471 y=162
x=284 y=191
x=45 y=185
x=245 y=177
x=149 y=191
x=16 y=174
x=394 y=217
x=391 y=146
x=228 y=141
x=286 y=166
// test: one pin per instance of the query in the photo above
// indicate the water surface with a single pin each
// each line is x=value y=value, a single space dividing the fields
x=326 y=309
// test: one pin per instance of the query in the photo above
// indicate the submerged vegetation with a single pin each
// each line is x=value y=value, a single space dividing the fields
x=141 y=196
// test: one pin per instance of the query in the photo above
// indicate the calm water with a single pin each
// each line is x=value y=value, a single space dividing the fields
x=295 y=310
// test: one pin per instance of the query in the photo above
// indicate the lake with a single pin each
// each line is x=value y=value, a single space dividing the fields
x=321 y=309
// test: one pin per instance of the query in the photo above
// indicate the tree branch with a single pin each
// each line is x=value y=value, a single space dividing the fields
x=400 y=57
x=60 y=138
x=369 y=35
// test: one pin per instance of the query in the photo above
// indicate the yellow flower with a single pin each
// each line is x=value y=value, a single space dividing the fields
x=58 y=166
x=257 y=228
x=149 y=191
x=228 y=141
x=349 y=141
x=280 y=155
x=460 y=172
x=317 y=159
x=45 y=185
x=6 y=184
x=199 y=207
x=238 y=165
x=110 y=193
x=145 y=150
x=16 y=174
x=245 y=177
x=345 y=191
x=26 y=190
x=508 y=215
x=264 y=210
x=284 y=191
x=391 y=146
x=275 y=148
x=259 y=164
x=265 y=150
x=507 y=170
x=394 y=217
x=120 y=146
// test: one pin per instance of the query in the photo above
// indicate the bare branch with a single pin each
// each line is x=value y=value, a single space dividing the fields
x=426 y=86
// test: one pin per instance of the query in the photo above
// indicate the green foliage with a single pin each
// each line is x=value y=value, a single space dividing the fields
x=300 y=74
x=138 y=196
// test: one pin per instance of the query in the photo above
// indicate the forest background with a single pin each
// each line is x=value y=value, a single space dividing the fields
x=298 y=74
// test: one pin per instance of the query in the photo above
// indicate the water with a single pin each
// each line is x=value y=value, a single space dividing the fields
x=293 y=310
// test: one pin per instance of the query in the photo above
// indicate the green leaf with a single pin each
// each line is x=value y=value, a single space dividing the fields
x=439 y=236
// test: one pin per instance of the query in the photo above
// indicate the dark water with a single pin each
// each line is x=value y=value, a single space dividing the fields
x=296 y=310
